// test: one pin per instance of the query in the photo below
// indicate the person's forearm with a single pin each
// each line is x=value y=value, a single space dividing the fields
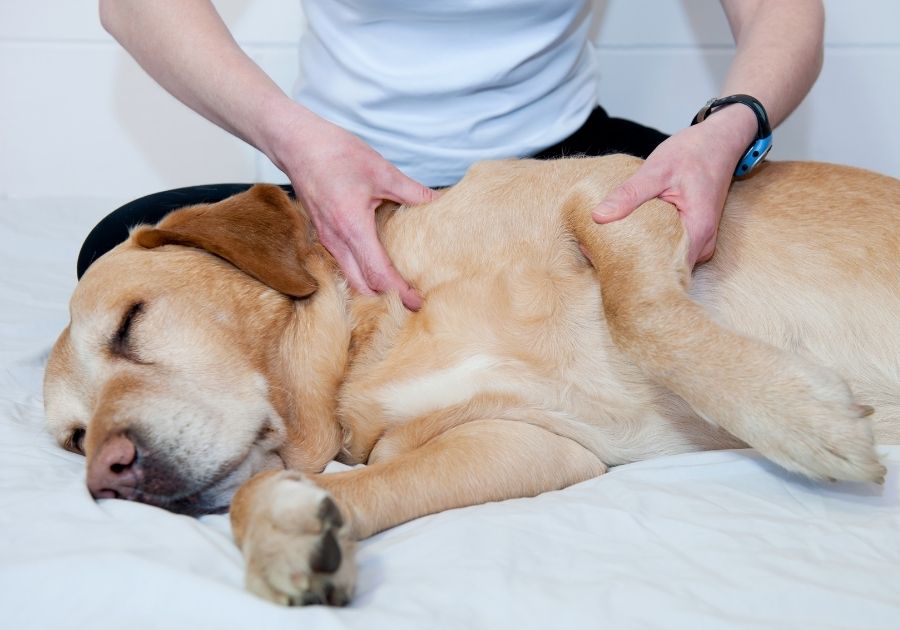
x=338 y=178
x=779 y=54
x=189 y=51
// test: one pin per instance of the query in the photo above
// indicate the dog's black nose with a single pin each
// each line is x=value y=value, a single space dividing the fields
x=113 y=472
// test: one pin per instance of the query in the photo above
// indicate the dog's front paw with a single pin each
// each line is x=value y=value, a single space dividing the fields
x=823 y=432
x=296 y=547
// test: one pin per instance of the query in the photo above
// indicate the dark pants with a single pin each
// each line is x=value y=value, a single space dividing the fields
x=599 y=135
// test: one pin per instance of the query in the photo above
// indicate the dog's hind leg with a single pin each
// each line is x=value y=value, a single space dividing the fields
x=798 y=414
x=298 y=546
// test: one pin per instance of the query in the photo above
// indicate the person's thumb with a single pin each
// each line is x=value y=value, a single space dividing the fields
x=409 y=192
x=626 y=198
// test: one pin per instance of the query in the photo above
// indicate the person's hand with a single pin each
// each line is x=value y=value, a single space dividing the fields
x=340 y=180
x=691 y=170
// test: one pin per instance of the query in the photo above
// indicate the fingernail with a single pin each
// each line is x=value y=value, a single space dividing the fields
x=604 y=210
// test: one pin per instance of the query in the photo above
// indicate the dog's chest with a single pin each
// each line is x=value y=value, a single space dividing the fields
x=493 y=348
x=418 y=395
x=389 y=400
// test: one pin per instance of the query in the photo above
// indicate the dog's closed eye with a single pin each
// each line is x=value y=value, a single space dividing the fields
x=120 y=344
x=75 y=442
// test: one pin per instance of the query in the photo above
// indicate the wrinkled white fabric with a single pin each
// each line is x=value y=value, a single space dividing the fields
x=709 y=540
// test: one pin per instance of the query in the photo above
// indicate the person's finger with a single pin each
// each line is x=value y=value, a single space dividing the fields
x=377 y=269
x=382 y=276
x=707 y=252
x=625 y=199
x=700 y=226
x=347 y=262
x=407 y=191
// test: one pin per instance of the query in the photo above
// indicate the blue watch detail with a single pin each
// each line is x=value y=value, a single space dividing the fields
x=760 y=147
x=755 y=154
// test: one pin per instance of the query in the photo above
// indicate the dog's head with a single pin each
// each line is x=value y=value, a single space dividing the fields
x=188 y=363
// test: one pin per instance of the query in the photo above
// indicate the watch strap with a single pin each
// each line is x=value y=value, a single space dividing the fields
x=761 y=145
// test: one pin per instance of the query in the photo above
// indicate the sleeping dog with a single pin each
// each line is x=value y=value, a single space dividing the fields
x=219 y=359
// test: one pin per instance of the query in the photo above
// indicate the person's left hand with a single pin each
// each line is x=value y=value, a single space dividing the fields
x=691 y=170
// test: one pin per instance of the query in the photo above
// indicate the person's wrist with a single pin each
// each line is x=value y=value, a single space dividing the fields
x=734 y=126
x=284 y=130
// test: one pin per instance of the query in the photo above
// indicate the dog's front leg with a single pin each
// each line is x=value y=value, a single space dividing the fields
x=798 y=414
x=298 y=545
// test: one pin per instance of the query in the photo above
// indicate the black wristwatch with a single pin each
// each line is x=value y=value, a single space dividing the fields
x=760 y=147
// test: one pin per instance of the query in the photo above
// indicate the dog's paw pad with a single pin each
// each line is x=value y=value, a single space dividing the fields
x=329 y=513
x=297 y=549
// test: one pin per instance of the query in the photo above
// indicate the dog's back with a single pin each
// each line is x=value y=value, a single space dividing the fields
x=808 y=259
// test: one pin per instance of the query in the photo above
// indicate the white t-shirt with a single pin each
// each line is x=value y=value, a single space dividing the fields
x=435 y=85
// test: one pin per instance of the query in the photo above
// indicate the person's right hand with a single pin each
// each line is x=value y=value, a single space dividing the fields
x=341 y=180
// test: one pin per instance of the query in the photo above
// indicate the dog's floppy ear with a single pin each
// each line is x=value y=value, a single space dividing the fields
x=259 y=231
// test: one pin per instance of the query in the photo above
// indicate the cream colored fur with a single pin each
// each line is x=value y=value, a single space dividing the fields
x=548 y=349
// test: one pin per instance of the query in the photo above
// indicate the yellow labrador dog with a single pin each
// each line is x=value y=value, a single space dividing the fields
x=221 y=351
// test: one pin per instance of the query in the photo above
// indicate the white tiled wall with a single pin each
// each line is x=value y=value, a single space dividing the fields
x=78 y=117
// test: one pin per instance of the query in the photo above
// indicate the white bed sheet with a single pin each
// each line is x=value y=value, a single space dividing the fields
x=708 y=540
